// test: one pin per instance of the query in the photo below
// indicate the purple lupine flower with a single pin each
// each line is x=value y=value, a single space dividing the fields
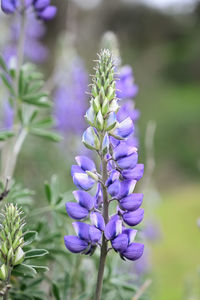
x=120 y=172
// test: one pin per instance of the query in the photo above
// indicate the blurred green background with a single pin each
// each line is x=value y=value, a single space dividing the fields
x=163 y=47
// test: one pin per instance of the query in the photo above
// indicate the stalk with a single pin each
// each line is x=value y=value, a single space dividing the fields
x=104 y=247
x=12 y=149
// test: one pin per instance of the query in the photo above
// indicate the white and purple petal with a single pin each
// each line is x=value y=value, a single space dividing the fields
x=82 y=230
x=124 y=129
x=113 y=228
x=123 y=150
x=126 y=188
x=131 y=234
x=85 y=163
x=97 y=220
x=84 y=199
x=83 y=181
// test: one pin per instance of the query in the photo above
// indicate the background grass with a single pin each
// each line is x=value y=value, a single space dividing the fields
x=176 y=258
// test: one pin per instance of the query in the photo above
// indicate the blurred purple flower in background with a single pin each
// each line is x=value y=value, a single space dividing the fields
x=34 y=50
x=71 y=100
x=126 y=87
x=43 y=8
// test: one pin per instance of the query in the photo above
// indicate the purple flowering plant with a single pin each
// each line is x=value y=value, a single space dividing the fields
x=115 y=179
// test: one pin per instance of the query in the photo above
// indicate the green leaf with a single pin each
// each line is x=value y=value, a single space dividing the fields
x=41 y=102
x=55 y=291
x=35 y=253
x=45 y=123
x=21 y=84
x=48 y=191
x=29 y=237
x=4 y=135
x=41 y=269
x=7 y=83
x=45 y=134
x=24 y=270
x=3 y=64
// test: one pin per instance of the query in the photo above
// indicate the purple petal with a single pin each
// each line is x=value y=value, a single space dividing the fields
x=128 y=162
x=82 y=230
x=41 y=4
x=131 y=234
x=98 y=196
x=134 y=251
x=76 y=211
x=83 y=181
x=74 y=244
x=114 y=176
x=113 y=228
x=8 y=6
x=133 y=218
x=120 y=243
x=114 y=188
x=97 y=220
x=85 y=163
x=84 y=199
x=131 y=202
x=125 y=128
x=95 y=234
x=123 y=150
x=126 y=188
x=48 y=13
x=76 y=169
x=135 y=173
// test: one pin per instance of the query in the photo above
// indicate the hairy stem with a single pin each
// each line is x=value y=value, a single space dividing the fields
x=104 y=247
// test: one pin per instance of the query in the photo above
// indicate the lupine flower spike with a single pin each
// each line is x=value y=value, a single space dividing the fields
x=116 y=179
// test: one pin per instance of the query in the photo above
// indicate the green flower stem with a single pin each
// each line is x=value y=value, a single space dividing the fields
x=104 y=247
x=7 y=282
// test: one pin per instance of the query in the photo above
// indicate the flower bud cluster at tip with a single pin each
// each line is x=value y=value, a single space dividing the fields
x=109 y=138
x=42 y=8
x=11 y=239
